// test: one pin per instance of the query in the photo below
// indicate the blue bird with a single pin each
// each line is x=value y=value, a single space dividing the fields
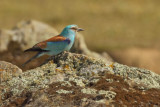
x=56 y=44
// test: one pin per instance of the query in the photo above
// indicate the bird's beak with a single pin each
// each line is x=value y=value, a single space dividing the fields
x=80 y=29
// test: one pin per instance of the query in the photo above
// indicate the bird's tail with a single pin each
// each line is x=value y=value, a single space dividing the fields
x=35 y=56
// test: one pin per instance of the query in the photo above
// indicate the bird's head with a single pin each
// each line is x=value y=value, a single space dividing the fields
x=71 y=29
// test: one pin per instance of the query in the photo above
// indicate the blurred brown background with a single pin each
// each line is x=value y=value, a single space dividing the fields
x=128 y=30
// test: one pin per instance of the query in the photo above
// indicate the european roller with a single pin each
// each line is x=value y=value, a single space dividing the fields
x=56 y=44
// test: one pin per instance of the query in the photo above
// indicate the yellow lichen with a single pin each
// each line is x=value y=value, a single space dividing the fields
x=66 y=67
x=112 y=65
x=59 y=70
x=1 y=69
x=93 y=74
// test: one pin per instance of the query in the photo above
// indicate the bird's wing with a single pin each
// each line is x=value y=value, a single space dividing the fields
x=41 y=46
x=56 y=39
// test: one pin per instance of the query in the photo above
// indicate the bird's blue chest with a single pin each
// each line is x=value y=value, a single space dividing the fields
x=71 y=42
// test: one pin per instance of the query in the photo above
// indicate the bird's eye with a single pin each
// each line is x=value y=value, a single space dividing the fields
x=73 y=28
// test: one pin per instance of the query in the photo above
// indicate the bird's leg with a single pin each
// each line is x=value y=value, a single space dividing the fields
x=53 y=58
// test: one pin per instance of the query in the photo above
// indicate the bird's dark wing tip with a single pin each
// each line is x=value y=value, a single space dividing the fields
x=68 y=40
x=36 y=49
x=27 y=50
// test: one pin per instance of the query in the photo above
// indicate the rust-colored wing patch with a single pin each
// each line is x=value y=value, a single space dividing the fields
x=41 y=45
x=56 y=39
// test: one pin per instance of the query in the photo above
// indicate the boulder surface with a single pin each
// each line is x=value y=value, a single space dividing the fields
x=71 y=79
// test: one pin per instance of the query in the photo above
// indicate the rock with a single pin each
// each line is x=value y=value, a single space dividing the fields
x=26 y=33
x=78 y=80
x=8 y=71
x=148 y=78
x=5 y=39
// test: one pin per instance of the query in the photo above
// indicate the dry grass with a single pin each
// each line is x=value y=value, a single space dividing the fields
x=109 y=24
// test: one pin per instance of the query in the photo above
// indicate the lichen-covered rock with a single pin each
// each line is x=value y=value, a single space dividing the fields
x=148 y=78
x=8 y=71
x=77 y=80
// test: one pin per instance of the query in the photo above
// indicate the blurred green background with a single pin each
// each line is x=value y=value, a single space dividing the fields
x=110 y=25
